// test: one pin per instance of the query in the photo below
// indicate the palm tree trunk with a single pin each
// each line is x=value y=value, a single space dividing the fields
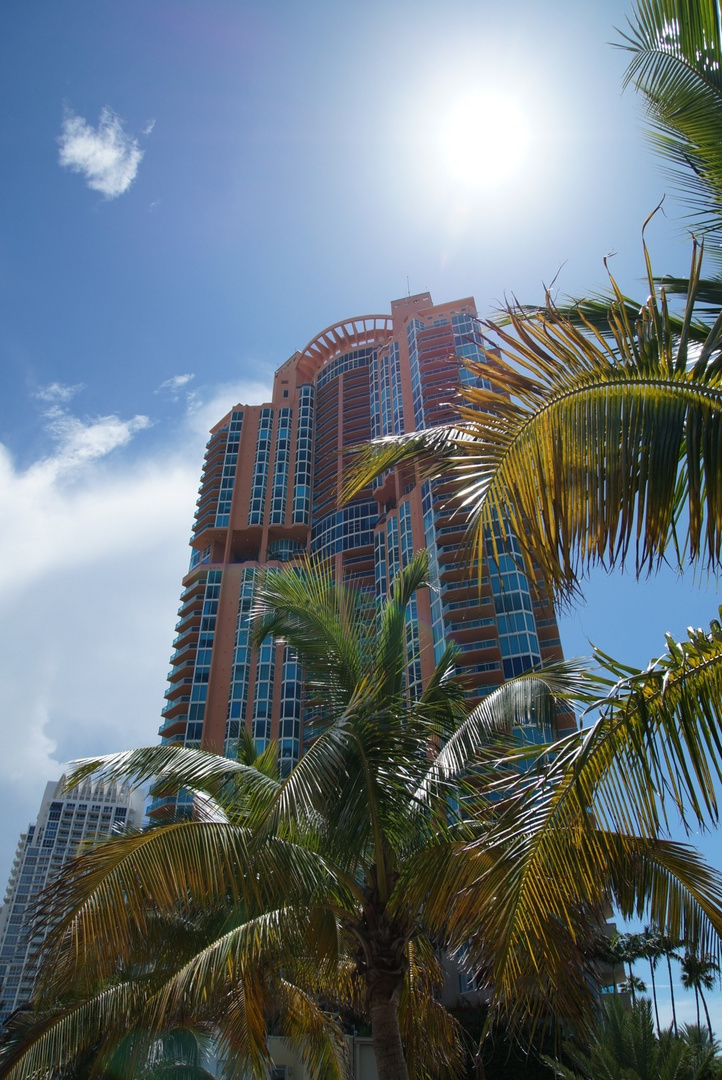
x=671 y=993
x=386 y=1037
x=696 y=997
x=706 y=1013
x=654 y=997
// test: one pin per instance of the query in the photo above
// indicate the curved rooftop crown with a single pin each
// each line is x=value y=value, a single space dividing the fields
x=343 y=337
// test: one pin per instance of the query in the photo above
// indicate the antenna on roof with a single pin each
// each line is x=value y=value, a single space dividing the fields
x=408 y=287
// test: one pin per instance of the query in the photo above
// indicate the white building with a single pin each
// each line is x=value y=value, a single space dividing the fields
x=67 y=820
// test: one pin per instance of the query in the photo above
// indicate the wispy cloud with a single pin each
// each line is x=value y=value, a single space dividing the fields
x=82 y=441
x=56 y=391
x=176 y=382
x=106 y=156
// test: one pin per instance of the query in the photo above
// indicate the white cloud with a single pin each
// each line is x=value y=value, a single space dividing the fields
x=82 y=441
x=92 y=552
x=149 y=127
x=203 y=414
x=56 y=391
x=106 y=156
x=176 y=382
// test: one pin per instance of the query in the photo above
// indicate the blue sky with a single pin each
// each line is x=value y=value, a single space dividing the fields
x=191 y=191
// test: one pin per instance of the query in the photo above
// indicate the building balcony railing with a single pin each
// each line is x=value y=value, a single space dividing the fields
x=173 y=708
x=175 y=688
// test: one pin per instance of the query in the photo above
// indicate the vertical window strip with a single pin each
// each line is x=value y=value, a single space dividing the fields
x=280 y=468
x=228 y=476
x=375 y=409
x=411 y=333
x=397 y=399
x=518 y=638
x=263 y=695
x=438 y=632
x=238 y=691
x=413 y=644
x=301 y=509
x=380 y=567
x=467 y=341
x=386 y=406
x=260 y=468
x=393 y=559
x=202 y=667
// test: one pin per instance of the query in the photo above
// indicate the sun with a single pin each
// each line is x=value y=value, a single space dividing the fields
x=484 y=139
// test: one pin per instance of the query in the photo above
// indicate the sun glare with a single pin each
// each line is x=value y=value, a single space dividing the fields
x=484 y=139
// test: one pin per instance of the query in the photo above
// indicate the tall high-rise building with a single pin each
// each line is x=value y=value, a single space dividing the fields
x=271 y=489
x=69 y=819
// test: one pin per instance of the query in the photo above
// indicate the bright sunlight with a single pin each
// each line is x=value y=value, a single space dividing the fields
x=484 y=139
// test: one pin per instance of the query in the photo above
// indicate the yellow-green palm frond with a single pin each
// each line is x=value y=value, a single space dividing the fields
x=242 y=1029
x=312 y=1032
x=593 y=311
x=676 y=48
x=305 y=606
x=528 y=922
x=266 y=944
x=432 y=1036
x=663 y=723
x=390 y=645
x=526 y=702
x=110 y=893
x=433 y=451
x=172 y=768
x=585 y=448
x=61 y=1035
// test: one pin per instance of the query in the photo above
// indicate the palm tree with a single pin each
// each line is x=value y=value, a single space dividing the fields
x=669 y=948
x=629 y=948
x=408 y=827
x=623 y=1045
x=699 y=970
x=652 y=951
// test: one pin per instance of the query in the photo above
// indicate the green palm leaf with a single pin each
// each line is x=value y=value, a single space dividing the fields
x=676 y=47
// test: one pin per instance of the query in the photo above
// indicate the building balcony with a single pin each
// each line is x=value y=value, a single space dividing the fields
x=173 y=727
x=182 y=656
x=193 y=603
x=176 y=688
x=188 y=635
x=175 y=708
x=182 y=669
x=193 y=618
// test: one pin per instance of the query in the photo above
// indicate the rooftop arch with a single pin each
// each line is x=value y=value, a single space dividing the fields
x=343 y=337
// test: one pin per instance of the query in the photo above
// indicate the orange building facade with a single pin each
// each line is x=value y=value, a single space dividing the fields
x=271 y=489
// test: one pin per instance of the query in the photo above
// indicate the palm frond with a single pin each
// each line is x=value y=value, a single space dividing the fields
x=676 y=46
x=432 y=1036
x=317 y=616
x=528 y=701
x=391 y=640
x=57 y=1038
x=527 y=923
x=668 y=718
x=598 y=311
x=588 y=450
x=314 y=1034
x=170 y=767
x=433 y=451
x=110 y=894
